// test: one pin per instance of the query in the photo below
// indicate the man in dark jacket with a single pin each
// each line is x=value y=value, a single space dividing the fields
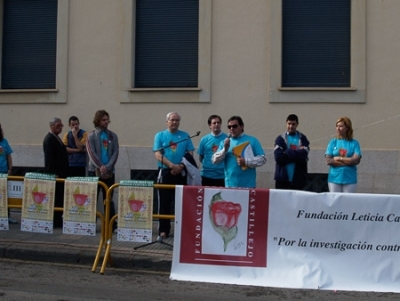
x=56 y=162
x=291 y=157
x=75 y=141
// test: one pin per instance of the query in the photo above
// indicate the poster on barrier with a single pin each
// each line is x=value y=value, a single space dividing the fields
x=3 y=202
x=135 y=211
x=330 y=241
x=80 y=200
x=38 y=203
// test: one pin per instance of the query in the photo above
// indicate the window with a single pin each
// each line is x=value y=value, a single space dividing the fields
x=166 y=43
x=316 y=43
x=166 y=51
x=317 y=51
x=29 y=44
x=33 y=51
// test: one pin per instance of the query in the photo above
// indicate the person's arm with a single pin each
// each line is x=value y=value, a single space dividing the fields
x=91 y=150
x=49 y=158
x=280 y=155
x=78 y=143
x=256 y=161
x=9 y=163
x=115 y=153
x=343 y=161
x=175 y=168
x=219 y=156
x=259 y=158
x=201 y=157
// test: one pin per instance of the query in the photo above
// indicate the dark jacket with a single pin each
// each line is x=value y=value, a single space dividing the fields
x=285 y=155
x=55 y=156
x=76 y=159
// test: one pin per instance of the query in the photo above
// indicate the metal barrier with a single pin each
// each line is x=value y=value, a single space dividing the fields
x=17 y=203
x=106 y=220
x=109 y=222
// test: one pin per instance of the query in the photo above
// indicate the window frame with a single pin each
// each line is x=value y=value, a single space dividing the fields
x=202 y=93
x=59 y=94
x=353 y=94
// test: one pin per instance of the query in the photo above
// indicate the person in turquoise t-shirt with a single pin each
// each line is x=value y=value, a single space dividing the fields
x=343 y=154
x=6 y=163
x=103 y=149
x=212 y=174
x=241 y=154
x=170 y=146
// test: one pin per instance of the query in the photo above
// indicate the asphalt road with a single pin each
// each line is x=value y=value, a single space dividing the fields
x=22 y=280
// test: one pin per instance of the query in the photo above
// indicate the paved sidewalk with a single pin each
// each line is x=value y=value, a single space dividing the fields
x=76 y=249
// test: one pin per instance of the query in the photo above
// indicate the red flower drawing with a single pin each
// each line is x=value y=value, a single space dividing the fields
x=173 y=145
x=135 y=205
x=342 y=152
x=38 y=197
x=224 y=217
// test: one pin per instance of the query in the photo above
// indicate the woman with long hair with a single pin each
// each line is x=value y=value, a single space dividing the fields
x=343 y=154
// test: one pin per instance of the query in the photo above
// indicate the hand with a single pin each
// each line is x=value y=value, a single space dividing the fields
x=74 y=132
x=241 y=161
x=176 y=169
x=103 y=169
x=227 y=143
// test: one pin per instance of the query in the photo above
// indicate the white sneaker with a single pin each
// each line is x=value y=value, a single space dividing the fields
x=12 y=221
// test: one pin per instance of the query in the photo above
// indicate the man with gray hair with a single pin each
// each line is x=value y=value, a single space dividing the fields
x=170 y=146
x=56 y=162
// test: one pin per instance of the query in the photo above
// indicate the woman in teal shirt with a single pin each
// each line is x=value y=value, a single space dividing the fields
x=343 y=154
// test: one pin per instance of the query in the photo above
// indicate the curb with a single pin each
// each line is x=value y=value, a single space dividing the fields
x=125 y=258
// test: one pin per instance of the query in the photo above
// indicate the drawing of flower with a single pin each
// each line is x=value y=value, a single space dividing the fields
x=173 y=146
x=81 y=201
x=224 y=217
x=342 y=152
x=136 y=206
x=38 y=198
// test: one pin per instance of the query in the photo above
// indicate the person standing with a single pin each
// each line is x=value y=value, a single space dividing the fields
x=56 y=162
x=103 y=150
x=6 y=163
x=170 y=146
x=75 y=141
x=343 y=154
x=291 y=157
x=212 y=174
x=240 y=171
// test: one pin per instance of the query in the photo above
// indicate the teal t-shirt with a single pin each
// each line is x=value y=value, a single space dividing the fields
x=343 y=148
x=235 y=176
x=104 y=147
x=293 y=143
x=175 y=151
x=208 y=146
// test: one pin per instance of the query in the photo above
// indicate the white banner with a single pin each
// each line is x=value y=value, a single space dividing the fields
x=314 y=241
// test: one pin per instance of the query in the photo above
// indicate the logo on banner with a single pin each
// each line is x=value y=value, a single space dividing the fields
x=224 y=226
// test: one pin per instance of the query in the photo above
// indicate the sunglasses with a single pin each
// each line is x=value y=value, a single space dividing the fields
x=233 y=126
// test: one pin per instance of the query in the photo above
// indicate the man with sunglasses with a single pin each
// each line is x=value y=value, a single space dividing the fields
x=240 y=166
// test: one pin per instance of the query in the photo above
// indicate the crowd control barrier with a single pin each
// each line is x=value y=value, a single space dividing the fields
x=109 y=220
x=105 y=243
x=17 y=203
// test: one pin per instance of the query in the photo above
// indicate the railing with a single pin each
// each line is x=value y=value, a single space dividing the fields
x=107 y=221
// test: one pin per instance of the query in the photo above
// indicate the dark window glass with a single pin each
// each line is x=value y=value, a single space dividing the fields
x=29 y=44
x=166 y=43
x=316 y=43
